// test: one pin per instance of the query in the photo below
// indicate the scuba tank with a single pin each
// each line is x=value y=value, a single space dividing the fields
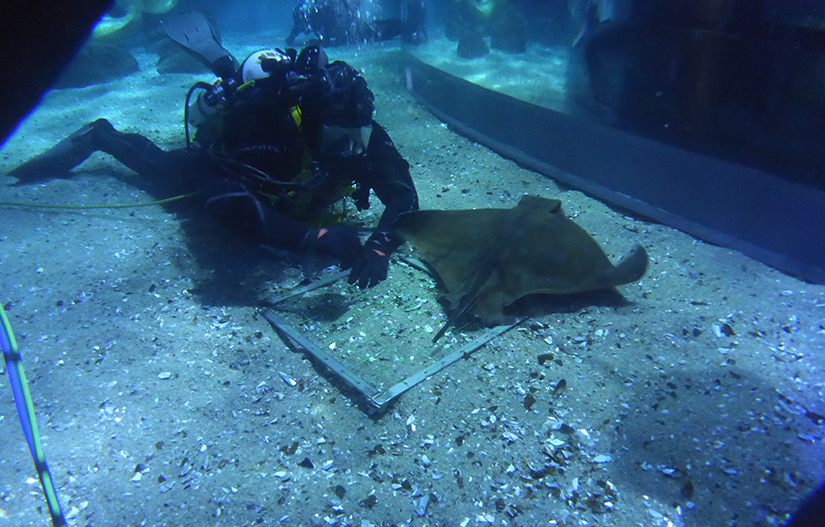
x=206 y=105
x=212 y=98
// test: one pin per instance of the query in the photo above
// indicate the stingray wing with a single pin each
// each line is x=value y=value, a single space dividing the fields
x=456 y=243
x=558 y=256
x=489 y=258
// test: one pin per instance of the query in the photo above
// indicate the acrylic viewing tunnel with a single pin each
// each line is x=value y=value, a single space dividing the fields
x=771 y=218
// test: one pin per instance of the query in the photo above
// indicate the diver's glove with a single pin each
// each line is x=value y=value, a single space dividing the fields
x=371 y=267
x=339 y=241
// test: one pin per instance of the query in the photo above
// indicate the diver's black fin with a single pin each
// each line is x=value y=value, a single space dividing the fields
x=58 y=160
x=197 y=36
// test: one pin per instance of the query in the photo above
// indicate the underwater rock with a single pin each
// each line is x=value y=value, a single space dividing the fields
x=472 y=46
x=455 y=24
x=98 y=63
x=509 y=35
x=509 y=42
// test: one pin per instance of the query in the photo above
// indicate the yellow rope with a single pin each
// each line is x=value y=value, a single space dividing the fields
x=85 y=207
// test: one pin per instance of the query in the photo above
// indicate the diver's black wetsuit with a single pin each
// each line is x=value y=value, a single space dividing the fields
x=235 y=198
x=259 y=171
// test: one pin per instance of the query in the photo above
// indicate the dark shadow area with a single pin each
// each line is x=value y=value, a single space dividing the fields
x=542 y=305
x=745 y=95
x=235 y=271
x=699 y=436
x=228 y=269
x=325 y=307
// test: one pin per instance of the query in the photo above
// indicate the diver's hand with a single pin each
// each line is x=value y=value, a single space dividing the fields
x=339 y=240
x=373 y=263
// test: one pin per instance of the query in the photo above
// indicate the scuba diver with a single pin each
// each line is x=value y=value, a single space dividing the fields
x=339 y=22
x=335 y=23
x=281 y=140
x=468 y=22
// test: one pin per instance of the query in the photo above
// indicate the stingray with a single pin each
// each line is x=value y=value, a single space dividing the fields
x=489 y=258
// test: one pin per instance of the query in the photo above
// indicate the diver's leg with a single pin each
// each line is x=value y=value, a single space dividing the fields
x=175 y=171
x=133 y=150
x=414 y=17
x=62 y=157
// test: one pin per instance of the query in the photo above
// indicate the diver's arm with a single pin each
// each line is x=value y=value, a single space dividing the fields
x=390 y=179
x=242 y=211
x=293 y=34
x=389 y=176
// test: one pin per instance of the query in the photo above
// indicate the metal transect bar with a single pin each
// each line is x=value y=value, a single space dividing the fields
x=374 y=396
x=288 y=333
x=437 y=366
x=298 y=291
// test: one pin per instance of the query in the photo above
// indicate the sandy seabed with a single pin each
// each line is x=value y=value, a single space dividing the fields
x=164 y=398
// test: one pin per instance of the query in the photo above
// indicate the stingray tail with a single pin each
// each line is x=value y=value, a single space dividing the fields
x=632 y=267
x=465 y=305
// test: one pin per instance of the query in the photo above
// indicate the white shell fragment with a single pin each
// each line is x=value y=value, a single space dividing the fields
x=510 y=436
x=555 y=442
x=551 y=424
x=287 y=379
x=582 y=437
x=667 y=471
